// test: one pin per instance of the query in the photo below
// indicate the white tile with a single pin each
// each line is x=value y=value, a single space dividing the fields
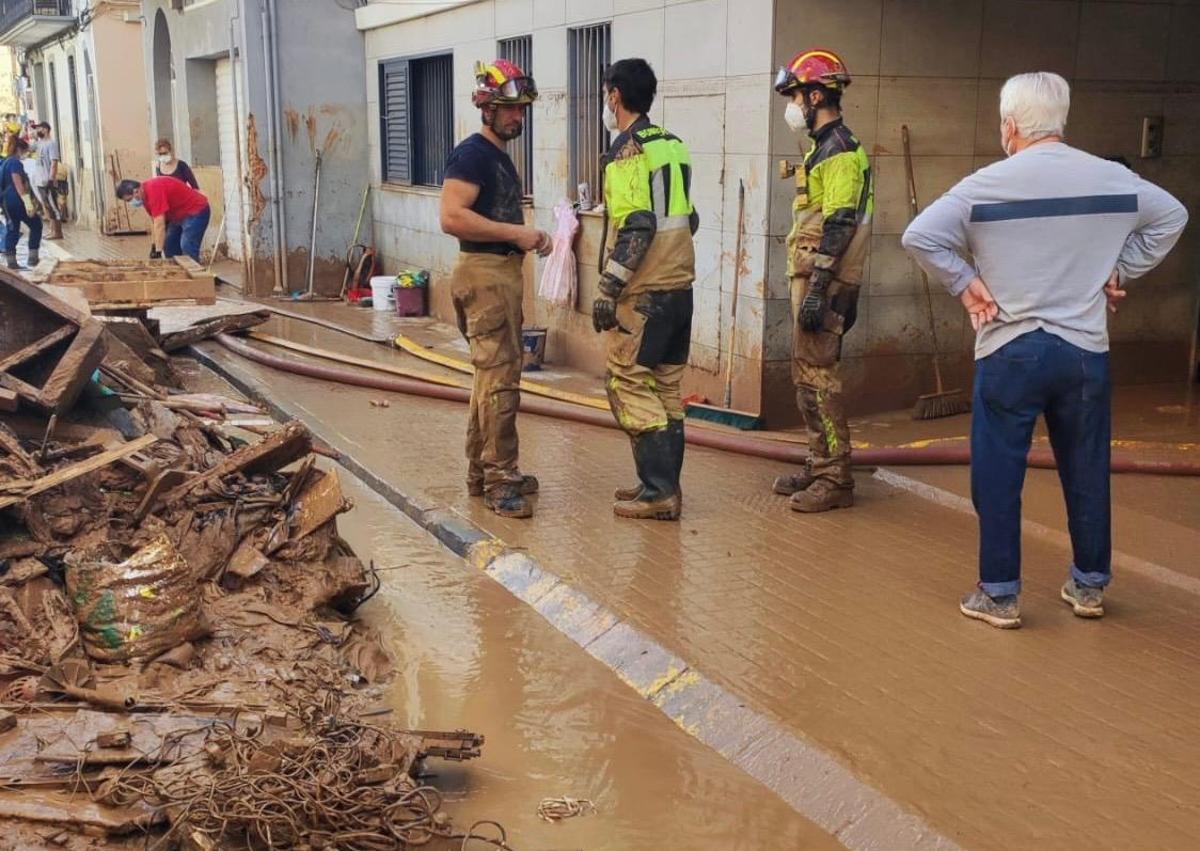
x=695 y=119
x=747 y=117
x=933 y=175
x=707 y=188
x=940 y=114
x=550 y=57
x=513 y=17
x=621 y=7
x=696 y=34
x=549 y=13
x=585 y=11
x=754 y=171
x=640 y=35
x=748 y=36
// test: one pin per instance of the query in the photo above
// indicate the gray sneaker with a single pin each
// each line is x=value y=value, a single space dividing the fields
x=1000 y=612
x=1087 y=602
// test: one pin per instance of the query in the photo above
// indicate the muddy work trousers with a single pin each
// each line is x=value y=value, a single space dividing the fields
x=815 y=360
x=647 y=353
x=486 y=289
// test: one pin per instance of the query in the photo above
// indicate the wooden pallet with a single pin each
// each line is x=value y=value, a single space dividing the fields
x=132 y=284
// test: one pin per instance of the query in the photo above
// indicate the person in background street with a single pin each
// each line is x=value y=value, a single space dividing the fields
x=179 y=214
x=47 y=190
x=19 y=206
x=1053 y=234
x=166 y=165
x=827 y=248
x=645 y=302
x=481 y=206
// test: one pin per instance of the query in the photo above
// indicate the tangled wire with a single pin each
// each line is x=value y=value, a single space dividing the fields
x=557 y=809
x=339 y=785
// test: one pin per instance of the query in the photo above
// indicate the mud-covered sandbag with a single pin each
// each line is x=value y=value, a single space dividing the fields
x=134 y=604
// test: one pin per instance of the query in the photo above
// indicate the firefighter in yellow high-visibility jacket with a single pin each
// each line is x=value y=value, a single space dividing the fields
x=827 y=248
x=645 y=302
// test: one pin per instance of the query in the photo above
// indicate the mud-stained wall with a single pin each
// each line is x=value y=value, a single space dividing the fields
x=937 y=66
x=714 y=88
x=321 y=62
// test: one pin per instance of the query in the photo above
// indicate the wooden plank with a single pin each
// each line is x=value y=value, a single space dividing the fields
x=60 y=390
x=38 y=296
x=151 y=291
x=205 y=328
x=8 y=400
x=281 y=448
x=36 y=347
x=74 y=471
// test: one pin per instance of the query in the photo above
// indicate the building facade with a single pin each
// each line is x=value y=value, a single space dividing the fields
x=83 y=60
x=253 y=93
x=933 y=65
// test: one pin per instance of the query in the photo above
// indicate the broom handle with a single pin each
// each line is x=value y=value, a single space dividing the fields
x=912 y=208
x=737 y=279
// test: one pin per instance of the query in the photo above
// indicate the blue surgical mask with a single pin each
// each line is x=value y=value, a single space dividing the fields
x=135 y=202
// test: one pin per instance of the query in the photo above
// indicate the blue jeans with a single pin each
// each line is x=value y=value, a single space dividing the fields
x=15 y=210
x=1039 y=373
x=184 y=237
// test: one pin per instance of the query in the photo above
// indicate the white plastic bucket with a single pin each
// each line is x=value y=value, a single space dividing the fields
x=381 y=292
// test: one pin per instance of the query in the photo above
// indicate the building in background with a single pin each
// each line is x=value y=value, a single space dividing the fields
x=935 y=65
x=250 y=92
x=84 y=61
x=13 y=86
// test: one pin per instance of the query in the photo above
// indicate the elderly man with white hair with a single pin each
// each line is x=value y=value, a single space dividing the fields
x=1051 y=234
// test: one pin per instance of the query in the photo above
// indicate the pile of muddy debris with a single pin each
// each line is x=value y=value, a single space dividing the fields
x=180 y=666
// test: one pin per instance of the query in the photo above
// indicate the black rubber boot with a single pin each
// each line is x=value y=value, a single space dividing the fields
x=654 y=454
x=10 y=259
x=34 y=259
x=633 y=491
x=678 y=446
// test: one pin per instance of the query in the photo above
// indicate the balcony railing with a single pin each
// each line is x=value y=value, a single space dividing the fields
x=24 y=23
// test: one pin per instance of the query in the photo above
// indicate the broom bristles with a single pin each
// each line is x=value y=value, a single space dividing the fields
x=934 y=406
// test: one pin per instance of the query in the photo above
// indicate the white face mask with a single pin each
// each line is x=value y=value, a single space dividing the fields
x=164 y=158
x=794 y=116
x=135 y=202
x=610 y=119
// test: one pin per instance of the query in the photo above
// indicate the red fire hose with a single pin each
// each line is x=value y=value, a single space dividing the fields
x=925 y=456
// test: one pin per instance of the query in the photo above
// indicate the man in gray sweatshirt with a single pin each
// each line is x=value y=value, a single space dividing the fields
x=1052 y=234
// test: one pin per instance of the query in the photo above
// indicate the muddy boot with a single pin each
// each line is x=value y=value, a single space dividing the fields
x=55 y=230
x=788 y=485
x=10 y=260
x=1000 y=612
x=34 y=259
x=678 y=446
x=658 y=499
x=528 y=486
x=507 y=501
x=633 y=491
x=823 y=495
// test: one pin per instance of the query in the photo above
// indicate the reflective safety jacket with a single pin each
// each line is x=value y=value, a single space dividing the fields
x=831 y=214
x=647 y=199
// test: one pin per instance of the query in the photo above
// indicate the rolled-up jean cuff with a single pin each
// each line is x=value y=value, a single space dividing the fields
x=1090 y=580
x=1001 y=589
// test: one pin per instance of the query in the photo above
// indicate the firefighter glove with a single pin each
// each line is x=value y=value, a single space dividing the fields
x=604 y=314
x=816 y=302
x=30 y=206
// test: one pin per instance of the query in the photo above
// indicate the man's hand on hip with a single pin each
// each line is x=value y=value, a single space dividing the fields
x=1114 y=292
x=978 y=301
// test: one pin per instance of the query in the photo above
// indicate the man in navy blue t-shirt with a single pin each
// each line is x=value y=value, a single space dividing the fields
x=481 y=205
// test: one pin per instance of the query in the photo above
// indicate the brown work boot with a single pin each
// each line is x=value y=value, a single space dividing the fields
x=529 y=485
x=788 y=485
x=663 y=508
x=55 y=230
x=627 y=494
x=823 y=495
x=507 y=501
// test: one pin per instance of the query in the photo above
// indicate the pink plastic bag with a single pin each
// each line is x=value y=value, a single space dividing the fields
x=559 y=281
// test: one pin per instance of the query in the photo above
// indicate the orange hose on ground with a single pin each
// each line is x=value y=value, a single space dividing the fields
x=737 y=443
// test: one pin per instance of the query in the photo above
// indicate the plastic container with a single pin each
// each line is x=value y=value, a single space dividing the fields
x=409 y=292
x=381 y=292
x=533 y=348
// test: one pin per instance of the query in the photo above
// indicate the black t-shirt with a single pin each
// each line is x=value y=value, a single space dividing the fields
x=478 y=161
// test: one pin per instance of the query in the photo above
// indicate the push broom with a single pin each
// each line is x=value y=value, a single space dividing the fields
x=941 y=402
x=728 y=415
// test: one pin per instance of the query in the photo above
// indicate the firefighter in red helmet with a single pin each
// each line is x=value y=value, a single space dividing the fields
x=481 y=206
x=827 y=247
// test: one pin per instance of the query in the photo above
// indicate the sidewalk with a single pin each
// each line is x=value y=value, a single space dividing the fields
x=843 y=629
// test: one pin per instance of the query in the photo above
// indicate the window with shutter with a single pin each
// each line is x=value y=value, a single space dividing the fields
x=394 y=113
x=416 y=111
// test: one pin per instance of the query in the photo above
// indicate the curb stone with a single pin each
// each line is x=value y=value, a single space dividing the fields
x=812 y=782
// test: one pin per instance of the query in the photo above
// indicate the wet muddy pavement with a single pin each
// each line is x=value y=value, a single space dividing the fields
x=844 y=628
x=556 y=721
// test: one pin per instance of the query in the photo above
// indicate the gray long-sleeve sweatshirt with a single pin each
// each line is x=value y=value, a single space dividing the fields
x=1045 y=229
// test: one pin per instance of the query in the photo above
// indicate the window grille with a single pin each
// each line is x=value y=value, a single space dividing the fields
x=416 y=109
x=589 y=51
x=520 y=51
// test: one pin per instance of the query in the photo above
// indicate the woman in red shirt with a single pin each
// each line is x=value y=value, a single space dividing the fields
x=179 y=214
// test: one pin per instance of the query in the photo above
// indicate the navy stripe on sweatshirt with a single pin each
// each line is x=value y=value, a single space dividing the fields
x=1044 y=208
